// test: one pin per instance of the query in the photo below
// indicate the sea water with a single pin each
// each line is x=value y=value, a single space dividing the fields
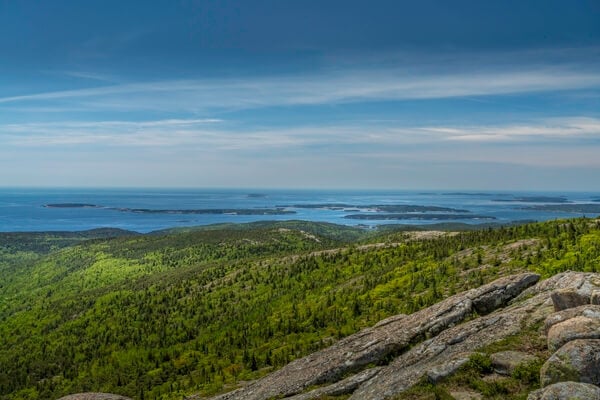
x=25 y=209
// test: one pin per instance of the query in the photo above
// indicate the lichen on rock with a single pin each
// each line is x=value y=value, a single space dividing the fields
x=578 y=361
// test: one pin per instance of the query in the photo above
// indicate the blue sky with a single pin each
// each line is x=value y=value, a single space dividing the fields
x=301 y=94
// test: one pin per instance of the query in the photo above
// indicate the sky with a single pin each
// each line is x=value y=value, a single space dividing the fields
x=488 y=95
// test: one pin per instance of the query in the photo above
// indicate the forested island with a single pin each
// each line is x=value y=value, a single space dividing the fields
x=572 y=208
x=232 y=211
x=418 y=216
x=72 y=205
x=535 y=199
x=378 y=207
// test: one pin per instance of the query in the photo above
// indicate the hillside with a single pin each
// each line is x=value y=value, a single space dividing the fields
x=501 y=340
x=201 y=311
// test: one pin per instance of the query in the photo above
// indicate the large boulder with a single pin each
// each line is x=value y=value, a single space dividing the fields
x=575 y=328
x=578 y=361
x=588 y=310
x=569 y=298
x=497 y=294
x=567 y=391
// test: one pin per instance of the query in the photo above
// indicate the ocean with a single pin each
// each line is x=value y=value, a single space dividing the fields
x=146 y=210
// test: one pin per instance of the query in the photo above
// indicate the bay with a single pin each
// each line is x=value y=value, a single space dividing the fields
x=146 y=210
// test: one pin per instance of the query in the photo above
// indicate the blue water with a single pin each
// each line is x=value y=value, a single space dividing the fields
x=23 y=209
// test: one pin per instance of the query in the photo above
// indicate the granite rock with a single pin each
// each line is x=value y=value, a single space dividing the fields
x=505 y=362
x=577 y=361
x=567 y=391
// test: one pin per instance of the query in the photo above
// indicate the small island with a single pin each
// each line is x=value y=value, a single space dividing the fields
x=391 y=208
x=586 y=208
x=536 y=199
x=71 y=205
x=476 y=194
x=413 y=216
x=215 y=211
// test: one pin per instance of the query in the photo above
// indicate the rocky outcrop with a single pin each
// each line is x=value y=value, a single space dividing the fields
x=448 y=347
x=94 y=396
x=431 y=344
x=388 y=338
x=578 y=361
x=567 y=391
x=573 y=371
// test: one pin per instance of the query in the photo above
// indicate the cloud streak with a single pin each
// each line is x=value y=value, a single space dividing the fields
x=547 y=130
x=326 y=88
x=211 y=134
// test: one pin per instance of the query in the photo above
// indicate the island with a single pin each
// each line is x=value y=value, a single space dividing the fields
x=476 y=194
x=392 y=208
x=224 y=211
x=414 y=216
x=71 y=205
x=536 y=199
x=586 y=208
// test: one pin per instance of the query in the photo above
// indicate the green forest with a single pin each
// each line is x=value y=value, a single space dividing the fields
x=199 y=310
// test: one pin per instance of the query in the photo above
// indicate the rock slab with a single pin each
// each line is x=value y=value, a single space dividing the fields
x=340 y=388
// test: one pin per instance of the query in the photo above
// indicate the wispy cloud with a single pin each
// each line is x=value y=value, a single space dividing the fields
x=93 y=76
x=168 y=132
x=550 y=129
x=327 y=88
x=213 y=134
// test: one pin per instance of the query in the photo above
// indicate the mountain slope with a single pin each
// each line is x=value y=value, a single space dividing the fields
x=178 y=313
